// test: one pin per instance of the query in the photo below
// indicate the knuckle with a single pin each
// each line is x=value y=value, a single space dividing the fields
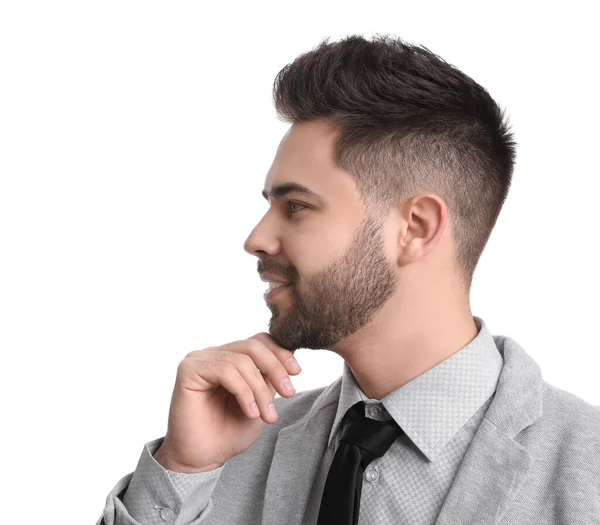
x=260 y=382
x=258 y=335
x=226 y=372
x=197 y=353
x=185 y=369
x=224 y=356
x=246 y=363
x=254 y=345
x=230 y=373
x=184 y=364
x=228 y=367
x=231 y=357
x=257 y=376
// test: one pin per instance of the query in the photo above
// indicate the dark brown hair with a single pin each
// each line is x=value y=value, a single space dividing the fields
x=408 y=122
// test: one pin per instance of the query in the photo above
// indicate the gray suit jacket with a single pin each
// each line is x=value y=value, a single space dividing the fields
x=535 y=459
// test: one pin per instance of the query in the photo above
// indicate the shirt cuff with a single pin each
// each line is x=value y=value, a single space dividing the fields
x=156 y=495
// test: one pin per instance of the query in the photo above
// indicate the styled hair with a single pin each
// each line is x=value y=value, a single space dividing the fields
x=407 y=122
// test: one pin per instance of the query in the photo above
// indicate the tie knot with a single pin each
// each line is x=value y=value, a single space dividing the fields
x=373 y=437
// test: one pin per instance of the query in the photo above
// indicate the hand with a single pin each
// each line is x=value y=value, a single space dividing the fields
x=210 y=417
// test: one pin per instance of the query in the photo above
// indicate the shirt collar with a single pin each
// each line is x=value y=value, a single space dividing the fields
x=434 y=406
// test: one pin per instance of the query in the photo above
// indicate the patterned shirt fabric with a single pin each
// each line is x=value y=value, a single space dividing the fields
x=439 y=412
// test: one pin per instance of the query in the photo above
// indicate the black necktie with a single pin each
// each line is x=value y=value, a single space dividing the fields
x=362 y=440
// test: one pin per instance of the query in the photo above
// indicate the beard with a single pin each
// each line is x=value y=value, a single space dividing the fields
x=339 y=300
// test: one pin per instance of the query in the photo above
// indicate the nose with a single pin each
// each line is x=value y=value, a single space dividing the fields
x=258 y=243
x=249 y=245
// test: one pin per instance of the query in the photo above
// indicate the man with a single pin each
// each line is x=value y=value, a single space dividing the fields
x=383 y=195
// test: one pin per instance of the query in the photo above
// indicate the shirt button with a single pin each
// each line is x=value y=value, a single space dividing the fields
x=166 y=514
x=371 y=475
x=375 y=411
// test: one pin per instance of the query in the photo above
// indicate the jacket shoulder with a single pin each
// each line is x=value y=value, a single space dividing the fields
x=571 y=408
x=569 y=423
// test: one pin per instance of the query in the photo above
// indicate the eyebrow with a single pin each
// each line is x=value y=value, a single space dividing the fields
x=283 y=189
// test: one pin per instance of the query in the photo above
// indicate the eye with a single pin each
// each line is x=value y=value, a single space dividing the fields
x=291 y=203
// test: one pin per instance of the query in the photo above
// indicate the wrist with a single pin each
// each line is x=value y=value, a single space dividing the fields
x=166 y=461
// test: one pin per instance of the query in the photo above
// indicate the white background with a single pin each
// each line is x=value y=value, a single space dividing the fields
x=134 y=142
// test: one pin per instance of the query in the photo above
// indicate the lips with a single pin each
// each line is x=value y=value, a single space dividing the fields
x=274 y=292
x=270 y=277
x=273 y=285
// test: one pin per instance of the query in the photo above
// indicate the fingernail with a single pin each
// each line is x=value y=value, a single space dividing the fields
x=292 y=361
x=287 y=385
x=271 y=410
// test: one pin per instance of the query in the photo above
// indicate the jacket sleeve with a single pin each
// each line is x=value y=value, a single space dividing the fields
x=153 y=495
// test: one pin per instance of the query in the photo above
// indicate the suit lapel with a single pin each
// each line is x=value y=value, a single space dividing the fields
x=496 y=465
x=297 y=459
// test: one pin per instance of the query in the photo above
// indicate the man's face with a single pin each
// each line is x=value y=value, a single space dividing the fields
x=331 y=251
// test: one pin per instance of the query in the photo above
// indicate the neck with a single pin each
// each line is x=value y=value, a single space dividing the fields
x=404 y=341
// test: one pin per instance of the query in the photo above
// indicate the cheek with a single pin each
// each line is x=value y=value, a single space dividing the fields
x=311 y=251
x=309 y=259
x=304 y=254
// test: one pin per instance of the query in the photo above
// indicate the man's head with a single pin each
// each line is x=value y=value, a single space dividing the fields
x=410 y=162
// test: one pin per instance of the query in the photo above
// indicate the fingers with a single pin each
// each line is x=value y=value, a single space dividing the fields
x=285 y=356
x=210 y=373
x=252 y=370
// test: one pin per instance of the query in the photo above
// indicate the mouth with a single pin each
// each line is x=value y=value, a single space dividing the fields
x=273 y=285
x=275 y=290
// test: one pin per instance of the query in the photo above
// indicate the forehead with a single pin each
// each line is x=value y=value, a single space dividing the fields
x=305 y=156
